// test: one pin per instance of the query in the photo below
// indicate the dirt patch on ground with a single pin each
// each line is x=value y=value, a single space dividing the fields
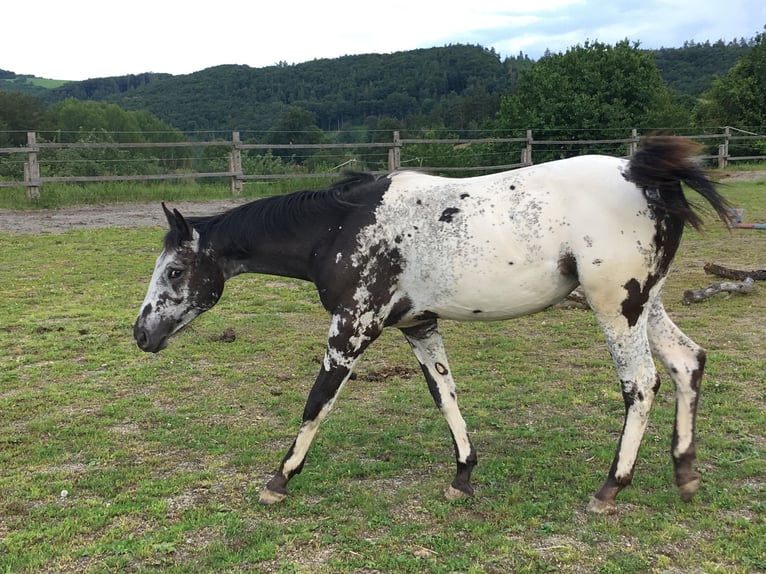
x=744 y=175
x=97 y=216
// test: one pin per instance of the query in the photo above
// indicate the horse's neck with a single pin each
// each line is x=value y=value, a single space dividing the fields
x=282 y=266
x=286 y=257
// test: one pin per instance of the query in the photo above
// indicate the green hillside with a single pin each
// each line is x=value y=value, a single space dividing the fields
x=456 y=85
x=692 y=68
x=27 y=84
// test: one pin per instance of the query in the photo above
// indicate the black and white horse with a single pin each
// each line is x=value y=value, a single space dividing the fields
x=407 y=249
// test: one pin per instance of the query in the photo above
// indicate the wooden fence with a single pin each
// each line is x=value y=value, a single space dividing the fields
x=34 y=179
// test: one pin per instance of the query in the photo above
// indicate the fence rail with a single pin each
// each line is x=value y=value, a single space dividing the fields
x=34 y=179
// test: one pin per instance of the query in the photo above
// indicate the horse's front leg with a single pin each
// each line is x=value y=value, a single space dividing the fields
x=344 y=347
x=427 y=344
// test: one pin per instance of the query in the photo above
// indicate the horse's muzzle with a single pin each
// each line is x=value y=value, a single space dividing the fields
x=145 y=341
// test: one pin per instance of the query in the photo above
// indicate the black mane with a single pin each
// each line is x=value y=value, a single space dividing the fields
x=283 y=216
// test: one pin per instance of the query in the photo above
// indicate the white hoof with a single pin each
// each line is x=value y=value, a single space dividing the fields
x=453 y=493
x=597 y=506
x=688 y=490
x=269 y=497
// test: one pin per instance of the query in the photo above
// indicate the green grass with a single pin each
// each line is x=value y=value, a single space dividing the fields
x=738 y=166
x=58 y=195
x=47 y=83
x=112 y=460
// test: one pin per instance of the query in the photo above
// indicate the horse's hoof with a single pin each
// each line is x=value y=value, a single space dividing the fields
x=597 y=506
x=688 y=490
x=269 y=497
x=453 y=493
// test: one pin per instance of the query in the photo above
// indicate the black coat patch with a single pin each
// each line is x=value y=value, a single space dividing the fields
x=633 y=305
x=447 y=214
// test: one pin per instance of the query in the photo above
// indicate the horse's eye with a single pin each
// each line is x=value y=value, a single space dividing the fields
x=175 y=273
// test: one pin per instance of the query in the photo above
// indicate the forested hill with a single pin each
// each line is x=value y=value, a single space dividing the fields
x=691 y=69
x=104 y=88
x=341 y=92
x=455 y=86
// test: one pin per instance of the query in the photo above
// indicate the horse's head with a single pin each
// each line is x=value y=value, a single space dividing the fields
x=186 y=281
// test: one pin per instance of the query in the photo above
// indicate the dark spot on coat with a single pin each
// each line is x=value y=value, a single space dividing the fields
x=419 y=202
x=510 y=263
x=633 y=305
x=597 y=262
x=513 y=187
x=628 y=394
x=448 y=214
x=568 y=265
x=398 y=311
x=464 y=195
x=441 y=369
x=697 y=373
x=398 y=239
x=476 y=311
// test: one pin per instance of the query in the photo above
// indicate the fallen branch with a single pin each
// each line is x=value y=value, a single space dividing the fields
x=575 y=299
x=698 y=295
x=735 y=274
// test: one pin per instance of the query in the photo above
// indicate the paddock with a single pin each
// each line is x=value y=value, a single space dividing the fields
x=113 y=459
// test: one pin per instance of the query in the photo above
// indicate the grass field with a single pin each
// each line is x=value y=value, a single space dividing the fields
x=112 y=460
x=56 y=195
x=41 y=82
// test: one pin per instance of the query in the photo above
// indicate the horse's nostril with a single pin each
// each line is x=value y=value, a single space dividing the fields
x=141 y=338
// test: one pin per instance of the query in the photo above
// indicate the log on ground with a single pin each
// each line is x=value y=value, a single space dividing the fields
x=697 y=295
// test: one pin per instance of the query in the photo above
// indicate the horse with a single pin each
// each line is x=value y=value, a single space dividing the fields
x=406 y=249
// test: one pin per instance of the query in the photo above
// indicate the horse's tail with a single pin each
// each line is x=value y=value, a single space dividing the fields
x=661 y=165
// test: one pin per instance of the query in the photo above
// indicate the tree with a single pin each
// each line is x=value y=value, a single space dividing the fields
x=19 y=113
x=294 y=126
x=739 y=98
x=596 y=87
x=96 y=122
x=692 y=69
x=74 y=119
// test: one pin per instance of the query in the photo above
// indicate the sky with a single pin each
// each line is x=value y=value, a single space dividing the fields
x=80 y=39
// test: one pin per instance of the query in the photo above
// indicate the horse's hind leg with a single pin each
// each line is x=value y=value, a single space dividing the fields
x=629 y=346
x=427 y=344
x=685 y=361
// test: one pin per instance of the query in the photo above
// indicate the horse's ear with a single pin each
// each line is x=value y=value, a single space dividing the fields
x=177 y=223
x=169 y=215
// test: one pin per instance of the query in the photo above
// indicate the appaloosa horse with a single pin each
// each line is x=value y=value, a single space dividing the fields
x=407 y=249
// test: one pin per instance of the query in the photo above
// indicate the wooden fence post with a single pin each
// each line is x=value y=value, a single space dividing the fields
x=723 y=149
x=526 y=157
x=235 y=165
x=395 y=153
x=32 y=168
x=633 y=145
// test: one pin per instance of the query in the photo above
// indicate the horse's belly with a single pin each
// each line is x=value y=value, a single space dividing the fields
x=493 y=293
